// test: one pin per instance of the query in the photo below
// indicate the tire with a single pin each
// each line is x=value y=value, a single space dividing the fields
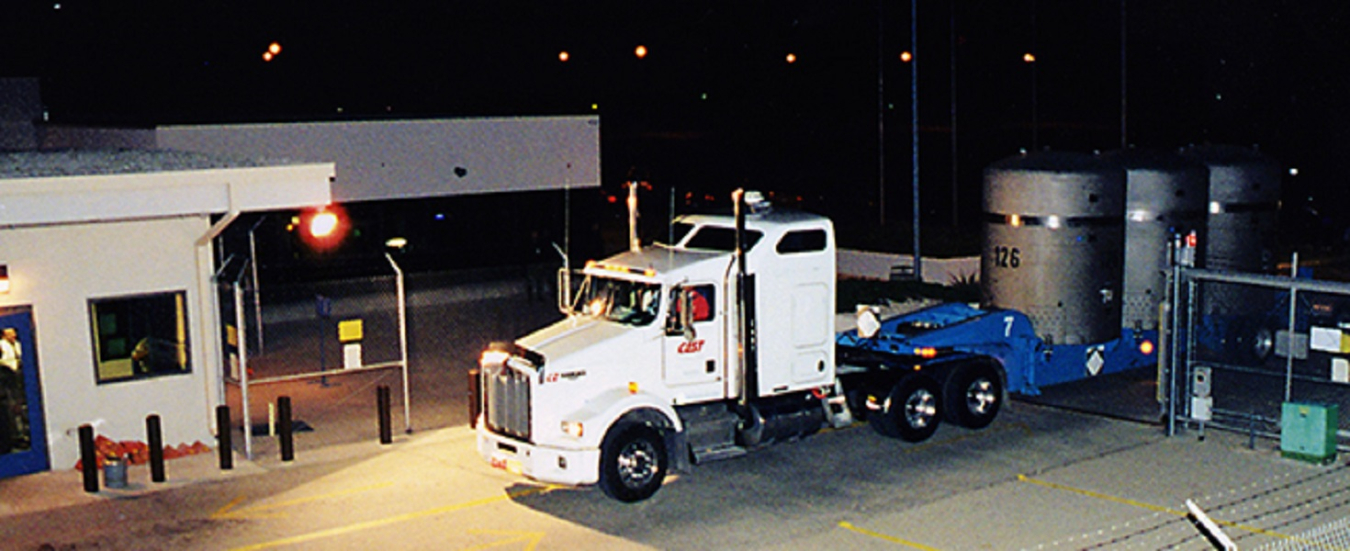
x=974 y=394
x=633 y=463
x=912 y=411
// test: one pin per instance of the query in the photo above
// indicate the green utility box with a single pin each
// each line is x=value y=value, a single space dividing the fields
x=1308 y=432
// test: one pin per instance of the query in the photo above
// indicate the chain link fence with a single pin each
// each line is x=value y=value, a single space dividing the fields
x=329 y=346
x=1247 y=344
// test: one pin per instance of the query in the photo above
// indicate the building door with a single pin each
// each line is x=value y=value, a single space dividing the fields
x=23 y=435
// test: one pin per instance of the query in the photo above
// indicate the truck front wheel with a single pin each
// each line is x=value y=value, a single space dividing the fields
x=973 y=393
x=911 y=412
x=632 y=463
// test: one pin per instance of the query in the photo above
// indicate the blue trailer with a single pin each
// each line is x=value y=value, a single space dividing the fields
x=957 y=362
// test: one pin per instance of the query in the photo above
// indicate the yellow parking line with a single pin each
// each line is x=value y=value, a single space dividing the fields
x=884 y=537
x=229 y=509
x=1168 y=510
x=1101 y=496
x=515 y=537
x=377 y=523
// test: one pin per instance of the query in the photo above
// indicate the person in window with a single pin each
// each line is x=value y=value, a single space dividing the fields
x=11 y=388
x=140 y=356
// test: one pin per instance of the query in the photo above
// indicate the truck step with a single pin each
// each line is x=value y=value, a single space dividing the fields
x=707 y=455
x=836 y=410
x=711 y=431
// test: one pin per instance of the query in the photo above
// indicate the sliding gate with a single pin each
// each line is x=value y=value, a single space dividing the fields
x=1244 y=345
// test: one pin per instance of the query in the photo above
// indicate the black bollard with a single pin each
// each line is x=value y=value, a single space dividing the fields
x=284 y=428
x=155 y=436
x=475 y=398
x=382 y=404
x=88 y=459
x=223 y=440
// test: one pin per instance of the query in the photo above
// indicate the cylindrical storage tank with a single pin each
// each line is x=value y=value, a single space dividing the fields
x=1166 y=194
x=1244 y=204
x=1054 y=242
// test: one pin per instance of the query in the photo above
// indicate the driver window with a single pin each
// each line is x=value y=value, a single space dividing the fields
x=702 y=300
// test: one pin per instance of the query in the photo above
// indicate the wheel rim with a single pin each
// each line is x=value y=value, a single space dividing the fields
x=920 y=408
x=637 y=464
x=1263 y=343
x=981 y=397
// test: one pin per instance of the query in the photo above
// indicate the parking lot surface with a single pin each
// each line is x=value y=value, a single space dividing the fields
x=1038 y=478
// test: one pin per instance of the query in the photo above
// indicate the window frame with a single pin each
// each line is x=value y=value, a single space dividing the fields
x=111 y=369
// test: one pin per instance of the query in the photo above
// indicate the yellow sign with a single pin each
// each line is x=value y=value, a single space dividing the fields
x=349 y=330
x=231 y=335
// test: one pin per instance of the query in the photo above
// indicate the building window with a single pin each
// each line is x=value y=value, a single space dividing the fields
x=142 y=336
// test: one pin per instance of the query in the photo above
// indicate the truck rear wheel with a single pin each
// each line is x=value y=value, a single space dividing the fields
x=632 y=463
x=974 y=394
x=911 y=411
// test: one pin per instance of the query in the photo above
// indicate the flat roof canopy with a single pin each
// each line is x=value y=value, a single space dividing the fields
x=62 y=187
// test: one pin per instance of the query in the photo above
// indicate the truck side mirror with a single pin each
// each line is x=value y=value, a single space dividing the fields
x=681 y=319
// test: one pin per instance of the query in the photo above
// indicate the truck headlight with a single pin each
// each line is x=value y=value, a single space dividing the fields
x=573 y=428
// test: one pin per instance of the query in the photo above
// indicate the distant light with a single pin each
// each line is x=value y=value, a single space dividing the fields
x=267 y=56
x=703 y=96
x=1146 y=347
x=792 y=58
x=595 y=107
x=564 y=56
x=396 y=243
x=906 y=57
x=1293 y=171
x=274 y=48
x=439 y=216
x=56 y=6
x=640 y=51
x=1029 y=57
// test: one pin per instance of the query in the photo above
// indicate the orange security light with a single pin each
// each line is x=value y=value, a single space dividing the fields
x=323 y=228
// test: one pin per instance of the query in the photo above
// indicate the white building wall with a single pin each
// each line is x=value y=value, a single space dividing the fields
x=57 y=269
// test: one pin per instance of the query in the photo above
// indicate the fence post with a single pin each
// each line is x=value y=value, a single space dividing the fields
x=285 y=432
x=88 y=459
x=382 y=405
x=155 y=437
x=475 y=400
x=223 y=439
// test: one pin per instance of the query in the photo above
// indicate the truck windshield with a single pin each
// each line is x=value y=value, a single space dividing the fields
x=622 y=301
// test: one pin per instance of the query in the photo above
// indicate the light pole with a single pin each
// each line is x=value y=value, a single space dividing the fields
x=914 y=128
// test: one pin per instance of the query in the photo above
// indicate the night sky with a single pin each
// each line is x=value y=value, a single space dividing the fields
x=715 y=104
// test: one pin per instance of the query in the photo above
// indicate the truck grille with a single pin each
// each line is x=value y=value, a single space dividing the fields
x=506 y=405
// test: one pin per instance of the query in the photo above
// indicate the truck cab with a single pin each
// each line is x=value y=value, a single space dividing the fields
x=671 y=353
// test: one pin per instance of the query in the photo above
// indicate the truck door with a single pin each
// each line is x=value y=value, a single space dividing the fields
x=693 y=344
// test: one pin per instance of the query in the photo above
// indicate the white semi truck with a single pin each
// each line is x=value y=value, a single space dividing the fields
x=723 y=342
